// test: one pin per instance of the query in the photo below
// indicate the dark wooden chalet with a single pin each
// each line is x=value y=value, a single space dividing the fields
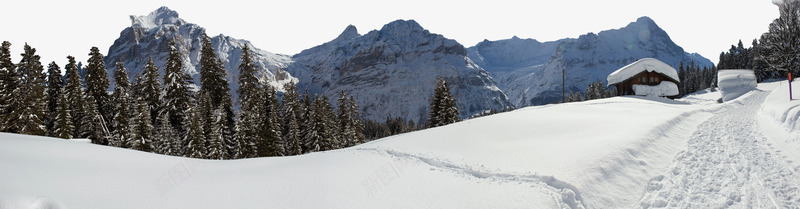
x=647 y=71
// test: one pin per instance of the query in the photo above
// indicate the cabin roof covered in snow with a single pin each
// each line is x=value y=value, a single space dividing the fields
x=645 y=64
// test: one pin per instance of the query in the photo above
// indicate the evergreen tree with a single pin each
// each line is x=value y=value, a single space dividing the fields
x=96 y=85
x=306 y=121
x=167 y=141
x=151 y=90
x=290 y=110
x=177 y=98
x=55 y=84
x=92 y=128
x=442 y=109
x=9 y=81
x=269 y=125
x=312 y=138
x=75 y=98
x=142 y=129
x=350 y=126
x=196 y=140
x=121 y=100
x=780 y=46
x=358 y=124
x=250 y=100
x=28 y=105
x=213 y=83
x=62 y=127
x=216 y=148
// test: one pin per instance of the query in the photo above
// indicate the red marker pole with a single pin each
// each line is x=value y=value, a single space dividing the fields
x=790 y=86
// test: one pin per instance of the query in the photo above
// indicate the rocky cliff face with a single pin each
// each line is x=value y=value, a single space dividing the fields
x=149 y=36
x=529 y=72
x=391 y=72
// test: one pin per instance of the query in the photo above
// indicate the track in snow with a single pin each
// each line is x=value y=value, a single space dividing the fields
x=728 y=163
x=564 y=195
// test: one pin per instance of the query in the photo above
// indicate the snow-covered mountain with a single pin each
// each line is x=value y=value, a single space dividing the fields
x=391 y=72
x=529 y=71
x=149 y=36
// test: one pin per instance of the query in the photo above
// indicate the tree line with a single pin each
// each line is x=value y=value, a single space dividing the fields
x=164 y=115
x=776 y=52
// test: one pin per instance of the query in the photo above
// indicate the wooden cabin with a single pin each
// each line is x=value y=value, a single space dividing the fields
x=646 y=77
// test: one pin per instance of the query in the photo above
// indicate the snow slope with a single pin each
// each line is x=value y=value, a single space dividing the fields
x=622 y=152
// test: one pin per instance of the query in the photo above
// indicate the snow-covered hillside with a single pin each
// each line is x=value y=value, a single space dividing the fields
x=622 y=152
x=391 y=72
x=149 y=36
x=529 y=71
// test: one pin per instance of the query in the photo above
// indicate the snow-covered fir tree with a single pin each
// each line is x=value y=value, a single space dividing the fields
x=442 y=109
x=92 y=128
x=216 y=149
x=149 y=89
x=167 y=140
x=96 y=85
x=325 y=124
x=291 y=111
x=312 y=138
x=55 y=83
x=345 y=126
x=62 y=127
x=216 y=87
x=358 y=123
x=250 y=99
x=29 y=101
x=269 y=125
x=75 y=97
x=197 y=147
x=350 y=126
x=307 y=124
x=9 y=81
x=122 y=102
x=216 y=146
x=177 y=97
x=142 y=129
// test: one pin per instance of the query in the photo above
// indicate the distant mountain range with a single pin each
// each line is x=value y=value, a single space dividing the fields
x=391 y=72
x=529 y=71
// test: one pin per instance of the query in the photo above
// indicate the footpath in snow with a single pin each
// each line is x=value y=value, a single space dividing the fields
x=729 y=163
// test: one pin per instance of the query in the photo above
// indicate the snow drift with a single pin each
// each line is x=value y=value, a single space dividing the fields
x=735 y=83
x=665 y=88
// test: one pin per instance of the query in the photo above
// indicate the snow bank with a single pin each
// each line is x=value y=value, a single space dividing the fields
x=665 y=88
x=645 y=64
x=778 y=107
x=735 y=83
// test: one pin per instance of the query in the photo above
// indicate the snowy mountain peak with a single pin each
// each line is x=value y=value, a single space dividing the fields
x=162 y=16
x=645 y=20
x=348 y=33
x=402 y=28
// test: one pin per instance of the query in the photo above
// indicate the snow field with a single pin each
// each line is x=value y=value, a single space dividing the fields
x=622 y=152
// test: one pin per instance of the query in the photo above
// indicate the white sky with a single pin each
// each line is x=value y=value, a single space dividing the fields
x=60 y=28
